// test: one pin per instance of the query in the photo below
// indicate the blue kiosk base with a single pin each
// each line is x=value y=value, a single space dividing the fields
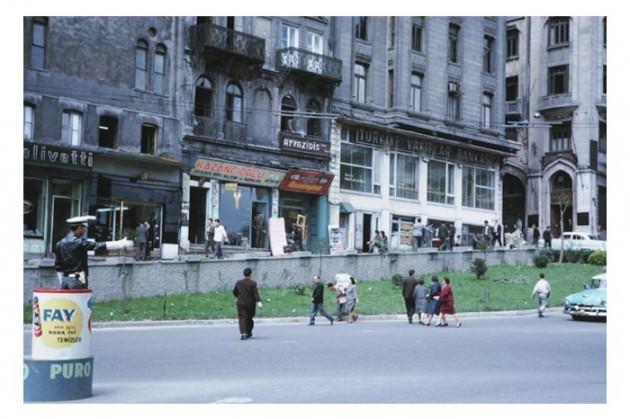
x=48 y=381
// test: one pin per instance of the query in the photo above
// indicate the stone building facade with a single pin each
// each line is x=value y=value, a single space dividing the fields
x=556 y=103
x=420 y=132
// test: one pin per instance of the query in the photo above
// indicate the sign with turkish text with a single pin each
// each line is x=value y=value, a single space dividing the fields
x=306 y=181
x=304 y=145
x=237 y=173
x=277 y=236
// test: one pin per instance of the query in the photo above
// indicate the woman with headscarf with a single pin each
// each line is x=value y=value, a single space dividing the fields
x=433 y=305
x=351 y=300
x=447 y=304
x=420 y=296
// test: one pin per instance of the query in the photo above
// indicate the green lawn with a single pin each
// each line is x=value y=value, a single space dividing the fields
x=375 y=296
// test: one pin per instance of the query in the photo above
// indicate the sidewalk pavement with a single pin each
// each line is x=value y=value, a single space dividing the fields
x=261 y=319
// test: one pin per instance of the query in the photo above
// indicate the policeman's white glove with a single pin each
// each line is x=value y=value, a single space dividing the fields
x=260 y=305
x=119 y=244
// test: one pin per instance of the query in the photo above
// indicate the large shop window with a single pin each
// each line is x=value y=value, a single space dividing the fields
x=356 y=168
x=66 y=203
x=34 y=207
x=239 y=206
x=402 y=231
x=117 y=218
x=441 y=183
x=403 y=176
x=478 y=188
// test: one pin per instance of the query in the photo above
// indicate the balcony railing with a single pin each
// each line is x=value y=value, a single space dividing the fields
x=310 y=63
x=514 y=107
x=556 y=101
x=234 y=131
x=212 y=37
x=205 y=126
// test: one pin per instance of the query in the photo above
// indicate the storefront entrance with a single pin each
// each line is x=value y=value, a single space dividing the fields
x=118 y=218
x=197 y=215
x=65 y=204
x=513 y=201
x=294 y=205
x=561 y=198
x=240 y=206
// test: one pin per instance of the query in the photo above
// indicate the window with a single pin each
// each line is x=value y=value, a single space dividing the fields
x=361 y=28
x=453 y=43
x=604 y=81
x=453 y=108
x=488 y=54
x=159 y=69
x=478 y=188
x=403 y=176
x=34 y=207
x=558 y=31
x=38 y=44
x=416 y=34
x=107 y=131
x=486 y=111
x=360 y=82
x=356 y=167
x=29 y=122
x=234 y=103
x=441 y=182
x=511 y=88
x=148 y=139
x=314 y=43
x=71 y=128
x=392 y=31
x=288 y=108
x=560 y=137
x=602 y=138
x=416 y=92
x=390 y=88
x=313 y=126
x=203 y=97
x=141 y=64
x=558 y=80
x=290 y=37
x=605 y=30
x=512 y=43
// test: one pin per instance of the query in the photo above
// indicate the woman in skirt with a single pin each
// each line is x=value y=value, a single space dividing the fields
x=351 y=300
x=447 y=304
x=433 y=304
x=420 y=296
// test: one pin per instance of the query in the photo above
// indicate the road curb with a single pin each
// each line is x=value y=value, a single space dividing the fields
x=302 y=319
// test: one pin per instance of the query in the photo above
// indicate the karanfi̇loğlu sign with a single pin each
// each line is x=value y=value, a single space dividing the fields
x=233 y=172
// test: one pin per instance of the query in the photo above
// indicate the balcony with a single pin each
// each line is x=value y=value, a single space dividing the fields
x=219 y=42
x=309 y=64
x=234 y=131
x=514 y=107
x=205 y=126
x=560 y=101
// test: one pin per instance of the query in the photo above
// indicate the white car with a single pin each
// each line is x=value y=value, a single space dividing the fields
x=577 y=241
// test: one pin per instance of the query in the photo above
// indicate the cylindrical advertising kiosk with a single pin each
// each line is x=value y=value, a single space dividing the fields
x=60 y=366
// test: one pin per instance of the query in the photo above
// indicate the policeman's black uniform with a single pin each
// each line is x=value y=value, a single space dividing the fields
x=71 y=259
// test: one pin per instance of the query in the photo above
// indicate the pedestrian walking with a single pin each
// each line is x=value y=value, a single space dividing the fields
x=500 y=235
x=451 y=236
x=536 y=235
x=209 y=237
x=140 y=240
x=487 y=231
x=447 y=304
x=220 y=236
x=317 y=299
x=407 y=288
x=340 y=299
x=433 y=301
x=418 y=233
x=247 y=298
x=542 y=289
x=150 y=239
x=420 y=297
x=351 y=300
x=547 y=237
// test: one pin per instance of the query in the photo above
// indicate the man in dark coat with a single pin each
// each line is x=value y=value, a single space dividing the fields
x=433 y=305
x=407 y=287
x=536 y=235
x=246 y=293
x=547 y=237
x=443 y=236
x=451 y=236
x=500 y=235
x=318 y=301
x=487 y=231
x=141 y=241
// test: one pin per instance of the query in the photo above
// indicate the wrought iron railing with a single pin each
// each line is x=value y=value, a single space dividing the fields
x=309 y=62
x=207 y=35
x=205 y=126
x=234 y=131
x=514 y=107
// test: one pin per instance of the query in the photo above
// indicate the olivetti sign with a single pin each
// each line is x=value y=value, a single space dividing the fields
x=62 y=156
x=305 y=146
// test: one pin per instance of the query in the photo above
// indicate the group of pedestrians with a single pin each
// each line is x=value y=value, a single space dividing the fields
x=427 y=301
x=215 y=237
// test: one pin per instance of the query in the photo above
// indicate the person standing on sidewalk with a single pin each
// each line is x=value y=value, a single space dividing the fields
x=543 y=290
x=433 y=305
x=536 y=235
x=547 y=237
x=209 y=237
x=407 y=288
x=351 y=300
x=420 y=297
x=447 y=304
x=141 y=241
x=418 y=232
x=247 y=298
x=220 y=236
x=317 y=299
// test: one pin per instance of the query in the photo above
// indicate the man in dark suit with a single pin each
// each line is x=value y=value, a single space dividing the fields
x=246 y=293
x=547 y=237
x=487 y=231
x=536 y=235
x=500 y=235
x=407 y=287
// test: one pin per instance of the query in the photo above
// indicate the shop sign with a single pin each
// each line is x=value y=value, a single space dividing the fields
x=304 y=146
x=305 y=181
x=334 y=240
x=61 y=156
x=277 y=236
x=237 y=173
x=396 y=142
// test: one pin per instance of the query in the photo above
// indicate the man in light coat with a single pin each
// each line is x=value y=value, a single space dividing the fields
x=220 y=236
x=543 y=290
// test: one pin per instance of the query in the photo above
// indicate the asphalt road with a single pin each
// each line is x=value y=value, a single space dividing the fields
x=489 y=360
